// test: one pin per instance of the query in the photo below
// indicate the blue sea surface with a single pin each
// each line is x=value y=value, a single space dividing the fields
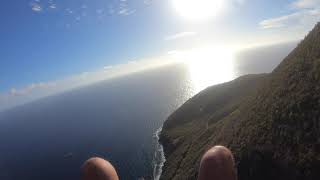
x=115 y=119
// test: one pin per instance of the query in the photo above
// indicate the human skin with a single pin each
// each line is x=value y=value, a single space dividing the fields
x=217 y=164
x=98 y=169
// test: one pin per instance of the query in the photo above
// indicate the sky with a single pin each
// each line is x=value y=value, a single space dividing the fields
x=48 y=46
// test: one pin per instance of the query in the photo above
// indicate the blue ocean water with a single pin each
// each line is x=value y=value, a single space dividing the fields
x=115 y=119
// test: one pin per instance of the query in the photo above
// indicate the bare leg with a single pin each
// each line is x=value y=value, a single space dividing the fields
x=98 y=169
x=217 y=164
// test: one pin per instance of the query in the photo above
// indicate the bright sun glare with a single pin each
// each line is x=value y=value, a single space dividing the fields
x=208 y=66
x=197 y=9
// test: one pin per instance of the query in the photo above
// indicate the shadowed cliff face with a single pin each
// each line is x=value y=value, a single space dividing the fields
x=270 y=122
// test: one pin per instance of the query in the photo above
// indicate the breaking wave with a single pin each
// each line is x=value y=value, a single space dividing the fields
x=158 y=158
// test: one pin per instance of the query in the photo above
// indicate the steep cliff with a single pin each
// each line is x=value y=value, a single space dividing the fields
x=271 y=122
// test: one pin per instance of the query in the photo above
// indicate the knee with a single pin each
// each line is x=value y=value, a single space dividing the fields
x=217 y=163
x=218 y=155
x=98 y=169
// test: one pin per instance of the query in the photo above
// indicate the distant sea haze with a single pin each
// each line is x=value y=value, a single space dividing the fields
x=115 y=119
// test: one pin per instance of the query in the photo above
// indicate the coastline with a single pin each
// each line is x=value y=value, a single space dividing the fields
x=159 y=157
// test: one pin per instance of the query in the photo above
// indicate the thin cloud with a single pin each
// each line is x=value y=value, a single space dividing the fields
x=36 y=7
x=302 y=4
x=107 y=67
x=180 y=35
x=32 y=87
x=53 y=6
x=279 y=22
x=124 y=8
x=305 y=18
x=119 y=8
x=126 y=11
x=307 y=13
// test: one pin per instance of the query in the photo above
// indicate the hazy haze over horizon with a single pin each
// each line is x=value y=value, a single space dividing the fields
x=250 y=61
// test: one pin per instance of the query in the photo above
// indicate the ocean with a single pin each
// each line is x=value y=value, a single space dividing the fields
x=117 y=119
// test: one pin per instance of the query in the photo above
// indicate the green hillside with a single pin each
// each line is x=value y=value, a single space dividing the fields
x=271 y=121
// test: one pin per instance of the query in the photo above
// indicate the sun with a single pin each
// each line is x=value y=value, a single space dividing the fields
x=197 y=10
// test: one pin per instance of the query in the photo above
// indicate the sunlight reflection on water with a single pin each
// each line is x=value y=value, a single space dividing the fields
x=208 y=66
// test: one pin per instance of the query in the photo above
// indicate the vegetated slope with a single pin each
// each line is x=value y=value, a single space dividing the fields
x=189 y=130
x=270 y=122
